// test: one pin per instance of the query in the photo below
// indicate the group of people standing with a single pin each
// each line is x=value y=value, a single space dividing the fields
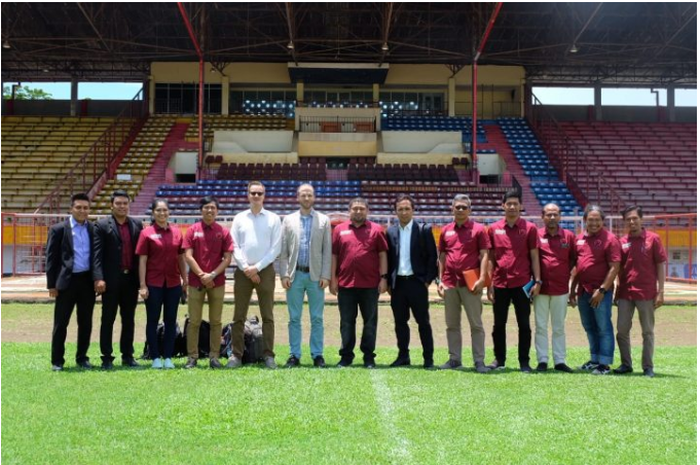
x=357 y=261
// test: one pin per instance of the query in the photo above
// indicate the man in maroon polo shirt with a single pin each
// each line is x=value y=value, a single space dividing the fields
x=358 y=276
x=557 y=258
x=516 y=260
x=463 y=246
x=208 y=248
x=642 y=277
x=597 y=265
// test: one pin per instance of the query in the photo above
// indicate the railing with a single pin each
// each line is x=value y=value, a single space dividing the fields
x=96 y=161
x=343 y=124
x=586 y=183
x=24 y=236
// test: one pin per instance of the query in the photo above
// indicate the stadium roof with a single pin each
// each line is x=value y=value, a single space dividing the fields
x=574 y=43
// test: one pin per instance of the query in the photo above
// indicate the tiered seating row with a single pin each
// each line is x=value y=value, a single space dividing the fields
x=435 y=123
x=236 y=122
x=653 y=164
x=409 y=172
x=277 y=171
x=137 y=163
x=38 y=152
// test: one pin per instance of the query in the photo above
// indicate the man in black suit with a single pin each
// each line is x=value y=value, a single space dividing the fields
x=69 y=280
x=116 y=273
x=412 y=267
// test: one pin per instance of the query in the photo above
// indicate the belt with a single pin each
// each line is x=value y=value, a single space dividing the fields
x=405 y=277
x=303 y=269
x=126 y=271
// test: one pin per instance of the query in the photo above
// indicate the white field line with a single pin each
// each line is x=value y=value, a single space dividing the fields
x=400 y=451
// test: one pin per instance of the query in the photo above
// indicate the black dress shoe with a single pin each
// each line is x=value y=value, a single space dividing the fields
x=292 y=362
x=191 y=363
x=107 y=365
x=428 y=364
x=215 y=363
x=344 y=363
x=542 y=366
x=525 y=368
x=370 y=364
x=563 y=367
x=85 y=365
x=56 y=367
x=649 y=372
x=130 y=362
x=401 y=362
x=623 y=369
x=319 y=362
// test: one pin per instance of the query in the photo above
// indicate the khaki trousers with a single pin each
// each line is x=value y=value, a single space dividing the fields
x=195 y=305
x=243 y=291
x=455 y=299
x=625 y=312
x=554 y=307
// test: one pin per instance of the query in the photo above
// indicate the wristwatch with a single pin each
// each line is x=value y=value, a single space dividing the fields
x=437 y=281
x=213 y=274
x=384 y=276
x=539 y=281
x=602 y=290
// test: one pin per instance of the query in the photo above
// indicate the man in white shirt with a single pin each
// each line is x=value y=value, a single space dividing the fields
x=256 y=236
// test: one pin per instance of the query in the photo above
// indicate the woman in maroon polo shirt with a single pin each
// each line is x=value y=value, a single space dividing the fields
x=162 y=273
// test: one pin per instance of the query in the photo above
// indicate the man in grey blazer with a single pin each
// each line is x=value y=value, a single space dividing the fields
x=305 y=266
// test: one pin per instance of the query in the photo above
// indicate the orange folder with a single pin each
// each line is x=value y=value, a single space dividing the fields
x=472 y=276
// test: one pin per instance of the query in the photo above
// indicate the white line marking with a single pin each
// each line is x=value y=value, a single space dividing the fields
x=401 y=451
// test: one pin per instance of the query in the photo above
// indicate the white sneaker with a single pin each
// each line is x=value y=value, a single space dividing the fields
x=168 y=363
x=157 y=363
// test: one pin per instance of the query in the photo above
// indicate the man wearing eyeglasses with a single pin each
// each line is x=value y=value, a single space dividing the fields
x=256 y=235
x=463 y=245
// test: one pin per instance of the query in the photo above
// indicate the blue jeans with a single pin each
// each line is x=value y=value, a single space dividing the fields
x=295 y=302
x=167 y=298
x=599 y=328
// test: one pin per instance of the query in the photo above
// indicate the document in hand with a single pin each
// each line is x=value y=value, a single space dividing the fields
x=472 y=276
x=527 y=287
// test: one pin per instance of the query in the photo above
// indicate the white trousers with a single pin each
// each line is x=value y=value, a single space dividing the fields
x=553 y=306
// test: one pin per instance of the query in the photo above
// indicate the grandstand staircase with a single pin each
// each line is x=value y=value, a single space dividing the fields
x=497 y=141
x=174 y=142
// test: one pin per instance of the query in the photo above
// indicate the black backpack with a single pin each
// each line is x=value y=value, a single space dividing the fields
x=253 y=338
x=203 y=344
x=226 y=347
x=179 y=349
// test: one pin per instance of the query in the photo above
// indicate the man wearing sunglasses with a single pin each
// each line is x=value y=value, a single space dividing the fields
x=463 y=246
x=256 y=235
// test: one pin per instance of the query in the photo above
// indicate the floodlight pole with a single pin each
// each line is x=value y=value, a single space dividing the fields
x=480 y=49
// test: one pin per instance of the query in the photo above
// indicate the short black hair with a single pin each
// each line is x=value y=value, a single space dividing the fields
x=79 y=196
x=632 y=208
x=593 y=208
x=402 y=197
x=513 y=193
x=119 y=193
x=158 y=200
x=207 y=199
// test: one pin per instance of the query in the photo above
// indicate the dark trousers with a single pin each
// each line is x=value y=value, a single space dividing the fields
x=410 y=294
x=349 y=299
x=124 y=297
x=167 y=298
x=81 y=294
x=502 y=299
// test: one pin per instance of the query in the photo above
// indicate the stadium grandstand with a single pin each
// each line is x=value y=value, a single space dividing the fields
x=359 y=99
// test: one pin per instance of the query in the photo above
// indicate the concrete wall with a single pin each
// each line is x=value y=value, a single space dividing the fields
x=252 y=141
x=384 y=158
x=620 y=113
x=420 y=142
x=337 y=144
x=235 y=73
x=183 y=163
x=490 y=164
